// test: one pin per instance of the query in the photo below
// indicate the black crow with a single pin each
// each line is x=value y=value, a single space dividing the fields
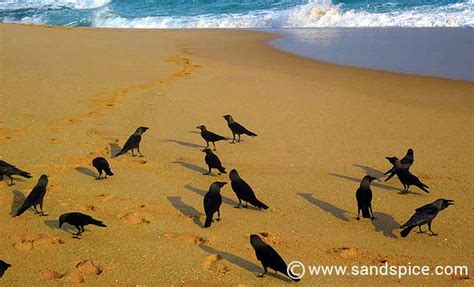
x=237 y=129
x=133 y=142
x=406 y=161
x=212 y=161
x=9 y=170
x=3 y=267
x=270 y=258
x=79 y=220
x=210 y=136
x=364 y=198
x=425 y=215
x=35 y=197
x=244 y=191
x=212 y=202
x=406 y=177
x=102 y=165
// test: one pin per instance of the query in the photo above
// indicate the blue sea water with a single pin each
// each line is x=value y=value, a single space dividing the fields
x=240 y=13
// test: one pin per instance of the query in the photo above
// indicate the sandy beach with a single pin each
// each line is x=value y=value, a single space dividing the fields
x=70 y=94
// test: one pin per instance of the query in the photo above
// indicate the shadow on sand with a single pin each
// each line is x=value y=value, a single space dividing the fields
x=327 y=207
x=185 y=209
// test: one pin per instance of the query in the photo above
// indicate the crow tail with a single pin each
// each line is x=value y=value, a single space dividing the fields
x=98 y=223
x=25 y=174
x=423 y=187
x=260 y=204
x=404 y=232
x=21 y=210
x=365 y=212
x=222 y=169
x=249 y=133
x=208 y=221
x=109 y=172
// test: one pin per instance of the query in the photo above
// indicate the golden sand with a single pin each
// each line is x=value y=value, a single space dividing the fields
x=68 y=95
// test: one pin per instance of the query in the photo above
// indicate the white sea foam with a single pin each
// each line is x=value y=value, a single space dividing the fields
x=315 y=13
x=35 y=4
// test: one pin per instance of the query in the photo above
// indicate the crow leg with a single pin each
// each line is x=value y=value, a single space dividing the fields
x=138 y=149
x=239 y=204
x=214 y=144
x=233 y=138
x=358 y=214
x=371 y=212
x=246 y=205
x=429 y=228
x=218 y=215
x=11 y=180
x=264 y=271
x=419 y=227
x=133 y=154
x=76 y=235
x=100 y=175
x=41 y=208
x=36 y=210
x=209 y=172
x=207 y=144
x=239 y=138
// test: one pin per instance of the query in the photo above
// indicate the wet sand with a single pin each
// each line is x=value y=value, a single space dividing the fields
x=68 y=95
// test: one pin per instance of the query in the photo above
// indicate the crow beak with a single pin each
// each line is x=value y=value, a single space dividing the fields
x=203 y=150
x=450 y=202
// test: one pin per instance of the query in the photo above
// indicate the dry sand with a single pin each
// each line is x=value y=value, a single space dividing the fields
x=68 y=95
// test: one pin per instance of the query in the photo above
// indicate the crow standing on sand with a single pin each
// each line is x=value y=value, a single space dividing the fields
x=9 y=170
x=364 y=198
x=244 y=191
x=270 y=258
x=3 y=267
x=237 y=129
x=406 y=177
x=102 y=165
x=133 y=142
x=406 y=161
x=210 y=136
x=425 y=215
x=79 y=220
x=212 y=202
x=212 y=161
x=35 y=197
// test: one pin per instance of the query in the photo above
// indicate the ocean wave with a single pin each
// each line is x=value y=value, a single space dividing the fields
x=319 y=13
x=37 y=4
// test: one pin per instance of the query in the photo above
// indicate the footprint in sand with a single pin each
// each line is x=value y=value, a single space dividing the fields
x=51 y=275
x=186 y=237
x=346 y=252
x=133 y=218
x=30 y=240
x=84 y=269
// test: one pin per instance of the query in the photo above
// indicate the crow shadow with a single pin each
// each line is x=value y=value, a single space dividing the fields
x=18 y=199
x=242 y=263
x=326 y=206
x=86 y=171
x=54 y=224
x=385 y=223
x=225 y=200
x=186 y=144
x=185 y=209
x=192 y=167
x=370 y=171
x=375 y=184
x=114 y=149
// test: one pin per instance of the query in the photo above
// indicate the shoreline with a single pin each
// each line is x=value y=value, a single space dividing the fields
x=282 y=40
x=69 y=95
x=431 y=52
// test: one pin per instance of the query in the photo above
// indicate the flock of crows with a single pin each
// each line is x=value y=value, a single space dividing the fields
x=268 y=257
